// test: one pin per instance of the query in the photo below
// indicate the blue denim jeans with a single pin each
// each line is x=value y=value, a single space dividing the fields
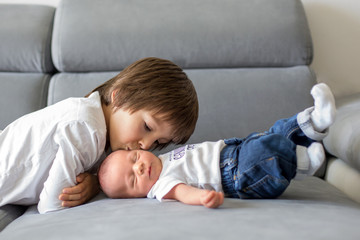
x=262 y=164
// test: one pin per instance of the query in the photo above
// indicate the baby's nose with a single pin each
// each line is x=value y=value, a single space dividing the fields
x=139 y=168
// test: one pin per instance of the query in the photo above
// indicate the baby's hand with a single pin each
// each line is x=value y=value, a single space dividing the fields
x=86 y=188
x=212 y=199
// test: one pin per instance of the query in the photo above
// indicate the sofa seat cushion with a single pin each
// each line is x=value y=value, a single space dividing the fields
x=309 y=209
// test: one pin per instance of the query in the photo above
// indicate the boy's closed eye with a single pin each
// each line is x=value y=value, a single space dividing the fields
x=147 y=128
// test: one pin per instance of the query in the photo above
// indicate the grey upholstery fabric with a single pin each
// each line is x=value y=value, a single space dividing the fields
x=9 y=213
x=108 y=36
x=249 y=61
x=255 y=98
x=25 y=37
x=21 y=93
x=236 y=102
x=309 y=209
x=343 y=140
x=64 y=85
x=25 y=58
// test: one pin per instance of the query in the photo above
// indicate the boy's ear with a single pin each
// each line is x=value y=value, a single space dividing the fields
x=113 y=94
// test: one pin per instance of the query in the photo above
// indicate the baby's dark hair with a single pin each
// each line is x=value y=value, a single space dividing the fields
x=156 y=85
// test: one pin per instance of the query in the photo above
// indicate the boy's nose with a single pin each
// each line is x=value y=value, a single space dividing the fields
x=146 y=143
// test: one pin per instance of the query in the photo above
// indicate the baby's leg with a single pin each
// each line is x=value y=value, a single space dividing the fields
x=310 y=159
x=290 y=129
x=311 y=124
x=315 y=121
x=262 y=166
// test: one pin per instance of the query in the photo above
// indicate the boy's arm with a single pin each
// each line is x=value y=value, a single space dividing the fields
x=195 y=196
x=68 y=163
x=61 y=174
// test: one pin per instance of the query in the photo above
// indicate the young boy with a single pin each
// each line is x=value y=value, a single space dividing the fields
x=149 y=104
x=259 y=166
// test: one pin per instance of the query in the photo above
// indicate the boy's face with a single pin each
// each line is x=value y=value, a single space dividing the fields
x=133 y=172
x=139 y=130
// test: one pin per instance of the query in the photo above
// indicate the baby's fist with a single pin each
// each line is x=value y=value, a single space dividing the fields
x=212 y=199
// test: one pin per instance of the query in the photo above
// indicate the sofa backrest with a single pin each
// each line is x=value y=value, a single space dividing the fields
x=249 y=60
x=109 y=35
x=25 y=59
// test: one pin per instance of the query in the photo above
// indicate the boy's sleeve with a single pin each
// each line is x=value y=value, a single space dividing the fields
x=77 y=152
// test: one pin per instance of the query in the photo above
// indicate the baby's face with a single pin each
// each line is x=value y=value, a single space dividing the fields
x=134 y=172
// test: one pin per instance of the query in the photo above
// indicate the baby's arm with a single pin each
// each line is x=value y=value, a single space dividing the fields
x=195 y=196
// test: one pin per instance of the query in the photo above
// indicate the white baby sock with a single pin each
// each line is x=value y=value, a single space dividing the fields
x=310 y=159
x=324 y=107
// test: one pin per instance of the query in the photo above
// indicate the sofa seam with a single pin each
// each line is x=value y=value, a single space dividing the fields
x=46 y=42
x=58 y=21
x=44 y=90
x=52 y=82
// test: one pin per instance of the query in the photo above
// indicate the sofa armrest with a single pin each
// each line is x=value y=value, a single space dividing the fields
x=343 y=177
x=343 y=140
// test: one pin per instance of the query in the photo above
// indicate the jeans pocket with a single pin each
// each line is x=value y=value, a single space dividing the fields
x=267 y=187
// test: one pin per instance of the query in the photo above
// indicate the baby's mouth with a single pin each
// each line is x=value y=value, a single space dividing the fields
x=149 y=171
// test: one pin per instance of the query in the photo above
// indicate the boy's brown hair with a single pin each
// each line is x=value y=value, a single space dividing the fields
x=159 y=86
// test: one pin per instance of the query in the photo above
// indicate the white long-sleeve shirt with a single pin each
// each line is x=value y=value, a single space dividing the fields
x=197 y=165
x=42 y=152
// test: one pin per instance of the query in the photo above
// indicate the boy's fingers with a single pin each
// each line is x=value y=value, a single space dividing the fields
x=74 y=190
x=71 y=203
x=87 y=187
x=72 y=197
x=81 y=177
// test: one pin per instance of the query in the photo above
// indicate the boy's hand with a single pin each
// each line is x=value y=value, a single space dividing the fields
x=212 y=199
x=87 y=187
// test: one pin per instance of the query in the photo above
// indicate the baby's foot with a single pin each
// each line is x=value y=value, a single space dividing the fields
x=324 y=107
x=310 y=159
x=316 y=155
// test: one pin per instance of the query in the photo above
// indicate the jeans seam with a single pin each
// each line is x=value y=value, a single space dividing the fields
x=292 y=131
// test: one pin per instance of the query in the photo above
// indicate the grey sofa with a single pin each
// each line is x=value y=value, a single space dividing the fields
x=249 y=61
